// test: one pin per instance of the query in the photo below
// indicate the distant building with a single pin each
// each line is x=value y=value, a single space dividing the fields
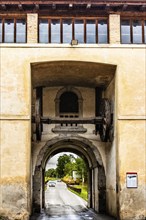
x=76 y=175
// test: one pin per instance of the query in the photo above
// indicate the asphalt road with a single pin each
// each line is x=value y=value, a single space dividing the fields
x=61 y=204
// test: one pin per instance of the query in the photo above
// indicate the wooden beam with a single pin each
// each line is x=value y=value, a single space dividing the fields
x=47 y=120
x=39 y=100
x=39 y=107
x=98 y=98
x=95 y=2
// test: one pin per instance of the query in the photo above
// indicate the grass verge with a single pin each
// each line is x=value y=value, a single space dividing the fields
x=83 y=194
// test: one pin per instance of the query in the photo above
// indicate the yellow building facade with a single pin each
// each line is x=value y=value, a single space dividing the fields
x=114 y=70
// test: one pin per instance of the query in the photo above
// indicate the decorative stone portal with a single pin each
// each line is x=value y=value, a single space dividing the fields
x=96 y=173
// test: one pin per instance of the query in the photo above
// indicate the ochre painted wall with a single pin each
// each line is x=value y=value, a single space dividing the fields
x=129 y=147
x=132 y=158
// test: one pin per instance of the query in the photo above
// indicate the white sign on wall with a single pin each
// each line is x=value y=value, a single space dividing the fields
x=131 y=180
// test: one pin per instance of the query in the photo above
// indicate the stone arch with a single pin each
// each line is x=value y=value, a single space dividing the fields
x=69 y=89
x=81 y=146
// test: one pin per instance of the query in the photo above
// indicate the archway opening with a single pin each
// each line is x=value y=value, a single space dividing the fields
x=96 y=173
x=66 y=184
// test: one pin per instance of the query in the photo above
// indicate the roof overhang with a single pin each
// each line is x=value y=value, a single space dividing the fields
x=88 y=5
x=95 y=2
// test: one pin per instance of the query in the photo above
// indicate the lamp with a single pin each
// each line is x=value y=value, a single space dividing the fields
x=74 y=42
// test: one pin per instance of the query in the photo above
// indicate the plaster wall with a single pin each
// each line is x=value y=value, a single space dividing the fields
x=132 y=158
x=15 y=73
x=15 y=169
x=130 y=112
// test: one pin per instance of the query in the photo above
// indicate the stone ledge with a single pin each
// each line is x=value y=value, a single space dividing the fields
x=86 y=46
x=69 y=129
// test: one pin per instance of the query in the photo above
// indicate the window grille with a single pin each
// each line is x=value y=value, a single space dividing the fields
x=64 y=30
x=133 y=31
x=12 y=30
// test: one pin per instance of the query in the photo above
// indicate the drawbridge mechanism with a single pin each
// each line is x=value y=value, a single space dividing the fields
x=103 y=123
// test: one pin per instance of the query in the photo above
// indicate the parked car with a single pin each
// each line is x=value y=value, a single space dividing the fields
x=52 y=184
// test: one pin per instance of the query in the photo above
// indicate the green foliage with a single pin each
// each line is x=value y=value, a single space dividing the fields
x=68 y=180
x=81 y=168
x=84 y=191
x=50 y=173
x=69 y=167
x=49 y=178
x=62 y=167
x=66 y=164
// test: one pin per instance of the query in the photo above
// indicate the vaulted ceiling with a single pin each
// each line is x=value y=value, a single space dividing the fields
x=73 y=73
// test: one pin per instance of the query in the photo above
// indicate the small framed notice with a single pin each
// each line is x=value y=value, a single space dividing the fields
x=131 y=180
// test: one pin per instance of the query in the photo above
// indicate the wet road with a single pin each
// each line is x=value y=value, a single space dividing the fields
x=61 y=204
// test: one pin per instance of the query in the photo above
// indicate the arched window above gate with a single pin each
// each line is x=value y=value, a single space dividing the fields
x=69 y=103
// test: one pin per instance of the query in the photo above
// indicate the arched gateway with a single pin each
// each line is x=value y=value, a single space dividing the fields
x=74 y=112
x=96 y=172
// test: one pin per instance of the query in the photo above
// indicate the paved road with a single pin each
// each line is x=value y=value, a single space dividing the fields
x=61 y=204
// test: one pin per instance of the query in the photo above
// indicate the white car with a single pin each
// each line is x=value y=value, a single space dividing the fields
x=52 y=184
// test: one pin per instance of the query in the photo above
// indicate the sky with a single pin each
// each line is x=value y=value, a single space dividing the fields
x=53 y=161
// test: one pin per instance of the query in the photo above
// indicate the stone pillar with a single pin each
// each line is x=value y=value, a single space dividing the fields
x=102 y=189
x=37 y=190
x=96 y=205
x=114 y=29
x=90 y=189
x=32 y=28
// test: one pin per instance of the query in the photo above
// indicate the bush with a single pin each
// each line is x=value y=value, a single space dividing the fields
x=68 y=180
x=78 y=181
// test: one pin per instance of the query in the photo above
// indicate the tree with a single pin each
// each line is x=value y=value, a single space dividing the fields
x=61 y=162
x=67 y=163
x=50 y=173
x=81 y=168
x=69 y=167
